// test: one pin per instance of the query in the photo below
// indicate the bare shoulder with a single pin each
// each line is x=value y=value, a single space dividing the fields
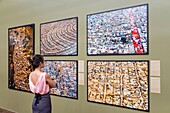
x=32 y=74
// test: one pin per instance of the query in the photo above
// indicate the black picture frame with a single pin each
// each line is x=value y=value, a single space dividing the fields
x=64 y=42
x=21 y=48
x=120 y=39
x=60 y=70
x=115 y=95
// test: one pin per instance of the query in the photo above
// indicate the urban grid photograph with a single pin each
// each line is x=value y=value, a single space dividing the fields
x=119 y=83
x=64 y=74
x=123 y=31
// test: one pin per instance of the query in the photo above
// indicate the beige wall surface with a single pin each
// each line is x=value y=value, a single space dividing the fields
x=22 y=12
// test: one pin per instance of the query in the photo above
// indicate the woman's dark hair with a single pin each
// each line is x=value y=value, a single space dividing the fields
x=36 y=61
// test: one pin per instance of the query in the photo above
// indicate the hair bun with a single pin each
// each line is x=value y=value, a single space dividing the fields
x=36 y=60
x=31 y=61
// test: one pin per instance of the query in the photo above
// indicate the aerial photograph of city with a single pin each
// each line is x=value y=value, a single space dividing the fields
x=119 y=83
x=59 y=37
x=21 y=50
x=64 y=74
x=122 y=31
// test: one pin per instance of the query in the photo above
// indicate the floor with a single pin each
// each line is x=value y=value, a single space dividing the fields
x=5 y=111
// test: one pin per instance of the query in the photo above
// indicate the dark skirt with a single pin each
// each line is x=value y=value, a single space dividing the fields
x=41 y=103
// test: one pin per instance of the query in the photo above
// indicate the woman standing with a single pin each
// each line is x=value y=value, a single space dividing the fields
x=40 y=84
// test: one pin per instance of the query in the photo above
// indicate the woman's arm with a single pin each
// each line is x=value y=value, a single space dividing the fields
x=49 y=81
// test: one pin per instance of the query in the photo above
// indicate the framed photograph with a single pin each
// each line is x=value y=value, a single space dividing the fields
x=65 y=75
x=59 y=38
x=119 y=83
x=20 y=52
x=118 y=32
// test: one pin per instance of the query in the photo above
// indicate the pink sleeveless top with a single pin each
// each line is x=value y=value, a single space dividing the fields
x=41 y=87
